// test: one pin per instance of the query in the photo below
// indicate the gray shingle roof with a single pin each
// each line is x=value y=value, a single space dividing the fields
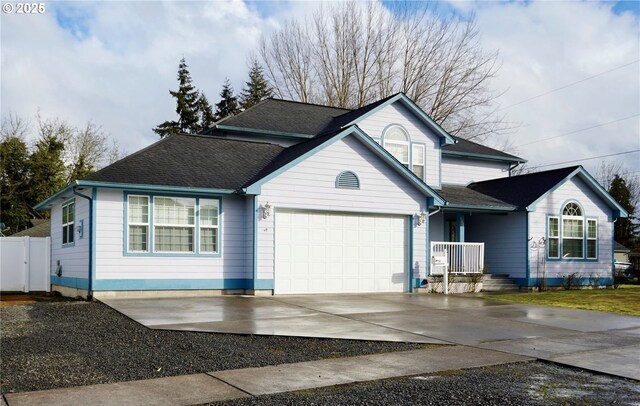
x=193 y=161
x=522 y=190
x=285 y=116
x=41 y=228
x=463 y=146
x=291 y=117
x=463 y=196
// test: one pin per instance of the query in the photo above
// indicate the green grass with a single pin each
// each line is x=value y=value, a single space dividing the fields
x=624 y=300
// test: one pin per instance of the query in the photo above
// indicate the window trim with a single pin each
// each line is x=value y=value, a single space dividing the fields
x=148 y=224
x=199 y=228
x=410 y=145
x=406 y=143
x=193 y=226
x=150 y=238
x=587 y=239
x=585 y=221
x=549 y=237
x=71 y=224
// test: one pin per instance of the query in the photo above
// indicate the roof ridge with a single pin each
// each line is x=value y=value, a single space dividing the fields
x=574 y=167
x=219 y=138
x=309 y=104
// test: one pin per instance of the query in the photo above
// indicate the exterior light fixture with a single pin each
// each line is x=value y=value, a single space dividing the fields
x=421 y=218
x=266 y=210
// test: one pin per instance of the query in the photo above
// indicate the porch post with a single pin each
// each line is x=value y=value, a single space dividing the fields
x=460 y=226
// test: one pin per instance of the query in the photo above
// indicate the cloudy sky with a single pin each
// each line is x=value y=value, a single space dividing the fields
x=570 y=72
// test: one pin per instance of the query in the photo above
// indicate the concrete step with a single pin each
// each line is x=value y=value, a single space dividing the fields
x=498 y=283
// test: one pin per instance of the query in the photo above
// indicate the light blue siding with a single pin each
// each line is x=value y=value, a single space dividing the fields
x=310 y=185
x=74 y=258
x=112 y=264
x=504 y=238
x=575 y=190
x=462 y=171
x=396 y=113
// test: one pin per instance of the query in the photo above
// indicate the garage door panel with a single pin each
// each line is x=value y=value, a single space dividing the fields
x=323 y=252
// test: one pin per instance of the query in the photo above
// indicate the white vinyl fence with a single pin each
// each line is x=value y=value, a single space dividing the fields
x=25 y=264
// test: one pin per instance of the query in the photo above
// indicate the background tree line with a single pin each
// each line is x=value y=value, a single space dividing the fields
x=31 y=172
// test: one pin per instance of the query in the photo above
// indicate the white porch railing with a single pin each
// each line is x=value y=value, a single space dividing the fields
x=456 y=257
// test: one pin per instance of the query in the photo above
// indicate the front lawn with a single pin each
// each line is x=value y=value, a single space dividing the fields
x=624 y=300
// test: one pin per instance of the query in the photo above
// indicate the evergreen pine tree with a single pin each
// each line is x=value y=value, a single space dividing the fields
x=257 y=88
x=228 y=106
x=46 y=168
x=625 y=229
x=205 y=113
x=14 y=213
x=186 y=106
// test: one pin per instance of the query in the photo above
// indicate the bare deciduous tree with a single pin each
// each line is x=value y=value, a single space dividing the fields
x=353 y=53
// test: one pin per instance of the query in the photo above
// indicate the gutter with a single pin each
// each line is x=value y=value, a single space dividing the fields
x=89 y=273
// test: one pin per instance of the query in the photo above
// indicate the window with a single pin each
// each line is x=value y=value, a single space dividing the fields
x=572 y=231
x=553 y=239
x=592 y=239
x=208 y=226
x=417 y=160
x=568 y=237
x=172 y=225
x=396 y=141
x=138 y=221
x=68 y=217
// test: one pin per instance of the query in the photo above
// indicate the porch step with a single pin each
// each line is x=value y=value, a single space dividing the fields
x=498 y=283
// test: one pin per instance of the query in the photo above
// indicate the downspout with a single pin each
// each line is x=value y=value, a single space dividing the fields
x=435 y=212
x=513 y=167
x=90 y=277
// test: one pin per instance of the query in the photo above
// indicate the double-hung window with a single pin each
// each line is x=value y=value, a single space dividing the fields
x=571 y=236
x=417 y=160
x=572 y=231
x=553 y=240
x=138 y=223
x=396 y=140
x=592 y=239
x=208 y=226
x=68 y=220
x=172 y=225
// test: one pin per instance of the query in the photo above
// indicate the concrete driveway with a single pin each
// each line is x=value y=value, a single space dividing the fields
x=591 y=340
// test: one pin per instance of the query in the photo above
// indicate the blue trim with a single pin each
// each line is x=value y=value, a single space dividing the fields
x=527 y=253
x=428 y=250
x=93 y=230
x=613 y=256
x=172 y=284
x=255 y=241
x=267 y=284
x=407 y=102
x=546 y=230
x=73 y=231
x=374 y=146
x=531 y=282
x=70 y=282
x=619 y=211
x=150 y=237
x=410 y=279
x=439 y=166
x=132 y=187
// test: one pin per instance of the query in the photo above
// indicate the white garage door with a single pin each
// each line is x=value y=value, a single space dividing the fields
x=322 y=252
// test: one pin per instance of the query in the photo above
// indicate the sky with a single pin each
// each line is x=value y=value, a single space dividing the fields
x=569 y=78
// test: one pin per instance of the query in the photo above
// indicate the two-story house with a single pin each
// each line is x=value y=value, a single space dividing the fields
x=289 y=197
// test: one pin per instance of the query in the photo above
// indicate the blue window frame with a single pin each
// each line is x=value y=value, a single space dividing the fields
x=167 y=225
x=572 y=235
x=68 y=222
x=396 y=140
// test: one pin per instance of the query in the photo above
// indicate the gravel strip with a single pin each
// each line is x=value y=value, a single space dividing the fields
x=62 y=343
x=521 y=384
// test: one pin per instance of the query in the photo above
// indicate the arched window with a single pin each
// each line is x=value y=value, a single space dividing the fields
x=567 y=236
x=396 y=141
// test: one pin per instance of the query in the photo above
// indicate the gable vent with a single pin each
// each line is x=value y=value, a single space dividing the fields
x=347 y=180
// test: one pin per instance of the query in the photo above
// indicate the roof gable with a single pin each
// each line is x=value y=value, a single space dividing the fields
x=299 y=152
x=525 y=191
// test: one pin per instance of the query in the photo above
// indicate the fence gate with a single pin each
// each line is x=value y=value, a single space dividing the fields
x=25 y=264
